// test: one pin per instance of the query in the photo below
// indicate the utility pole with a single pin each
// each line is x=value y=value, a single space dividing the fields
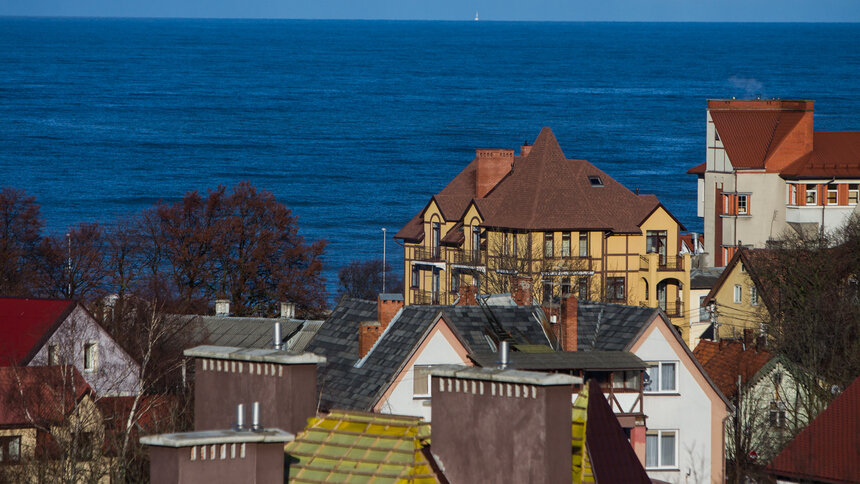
x=739 y=438
x=383 y=259
x=712 y=308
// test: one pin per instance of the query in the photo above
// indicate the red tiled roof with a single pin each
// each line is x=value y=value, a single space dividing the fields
x=751 y=136
x=698 y=169
x=45 y=393
x=724 y=361
x=828 y=450
x=835 y=154
x=612 y=456
x=26 y=324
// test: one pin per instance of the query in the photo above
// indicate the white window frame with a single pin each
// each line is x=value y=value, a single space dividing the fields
x=660 y=434
x=833 y=190
x=745 y=199
x=414 y=372
x=656 y=379
x=853 y=193
x=92 y=346
x=813 y=191
x=753 y=295
x=738 y=294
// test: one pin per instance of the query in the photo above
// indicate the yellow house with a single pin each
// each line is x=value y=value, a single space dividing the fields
x=557 y=225
x=737 y=301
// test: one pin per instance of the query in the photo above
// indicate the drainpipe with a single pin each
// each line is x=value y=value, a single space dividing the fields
x=824 y=204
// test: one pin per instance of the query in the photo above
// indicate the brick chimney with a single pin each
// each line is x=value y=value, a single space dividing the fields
x=468 y=295
x=368 y=333
x=569 y=308
x=525 y=149
x=284 y=384
x=387 y=306
x=493 y=165
x=521 y=290
x=520 y=419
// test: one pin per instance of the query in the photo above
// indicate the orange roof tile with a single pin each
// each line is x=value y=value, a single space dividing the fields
x=750 y=137
x=835 y=154
x=726 y=360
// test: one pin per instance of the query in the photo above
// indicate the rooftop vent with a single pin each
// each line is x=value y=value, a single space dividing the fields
x=595 y=181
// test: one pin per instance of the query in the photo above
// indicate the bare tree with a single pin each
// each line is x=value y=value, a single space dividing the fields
x=72 y=266
x=20 y=231
x=363 y=279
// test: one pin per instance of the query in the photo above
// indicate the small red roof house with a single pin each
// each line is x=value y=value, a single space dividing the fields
x=37 y=403
x=828 y=450
x=35 y=332
x=725 y=360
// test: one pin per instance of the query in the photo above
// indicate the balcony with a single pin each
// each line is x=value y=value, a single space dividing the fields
x=670 y=263
x=429 y=254
x=469 y=258
x=424 y=297
x=673 y=309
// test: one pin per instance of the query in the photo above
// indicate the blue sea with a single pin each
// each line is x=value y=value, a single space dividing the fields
x=355 y=124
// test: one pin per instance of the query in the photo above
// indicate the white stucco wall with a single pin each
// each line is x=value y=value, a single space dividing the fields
x=115 y=372
x=688 y=412
x=436 y=350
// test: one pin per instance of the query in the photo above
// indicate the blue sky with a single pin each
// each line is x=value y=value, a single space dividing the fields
x=564 y=10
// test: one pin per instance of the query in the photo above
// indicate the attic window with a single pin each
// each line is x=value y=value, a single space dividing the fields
x=595 y=181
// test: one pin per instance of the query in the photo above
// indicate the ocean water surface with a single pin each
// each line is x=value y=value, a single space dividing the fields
x=355 y=124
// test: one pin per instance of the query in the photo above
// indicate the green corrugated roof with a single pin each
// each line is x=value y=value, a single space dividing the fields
x=362 y=448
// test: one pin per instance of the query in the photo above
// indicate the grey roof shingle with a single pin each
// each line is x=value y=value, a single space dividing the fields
x=565 y=360
x=240 y=331
x=346 y=384
x=611 y=327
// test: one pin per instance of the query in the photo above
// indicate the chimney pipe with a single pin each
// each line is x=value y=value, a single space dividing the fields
x=277 y=340
x=504 y=348
x=240 y=417
x=255 y=417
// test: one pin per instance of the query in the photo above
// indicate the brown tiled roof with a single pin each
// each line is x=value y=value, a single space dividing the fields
x=455 y=235
x=413 y=231
x=698 y=169
x=835 y=154
x=828 y=450
x=750 y=137
x=545 y=190
x=725 y=360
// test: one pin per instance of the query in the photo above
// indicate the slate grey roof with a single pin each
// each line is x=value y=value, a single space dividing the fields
x=705 y=278
x=240 y=331
x=564 y=360
x=300 y=341
x=611 y=327
x=347 y=383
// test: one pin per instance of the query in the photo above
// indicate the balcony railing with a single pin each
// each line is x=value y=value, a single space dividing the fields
x=469 y=258
x=664 y=263
x=424 y=297
x=564 y=264
x=673 y=309
x=427 y=253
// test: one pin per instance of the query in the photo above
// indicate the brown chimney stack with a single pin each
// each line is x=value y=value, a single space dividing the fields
x=521 y=290
x=525 y=149
x=284 y=384
x=468 y=295
x=516 y=424
x=569 y=308
x=368 y=333
x=387 y=306
x=493 y=165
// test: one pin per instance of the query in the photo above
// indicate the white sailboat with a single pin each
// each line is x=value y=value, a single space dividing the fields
x=476 y=15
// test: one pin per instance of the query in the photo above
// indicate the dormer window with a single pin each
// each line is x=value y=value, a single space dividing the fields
x=595 y=181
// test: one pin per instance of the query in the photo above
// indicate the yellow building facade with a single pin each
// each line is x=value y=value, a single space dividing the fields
x=563 y=226
x=736 y=302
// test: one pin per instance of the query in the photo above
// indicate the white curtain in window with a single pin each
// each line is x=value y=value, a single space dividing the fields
x=667 y=377
x=651 y=446
x=667 y=449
